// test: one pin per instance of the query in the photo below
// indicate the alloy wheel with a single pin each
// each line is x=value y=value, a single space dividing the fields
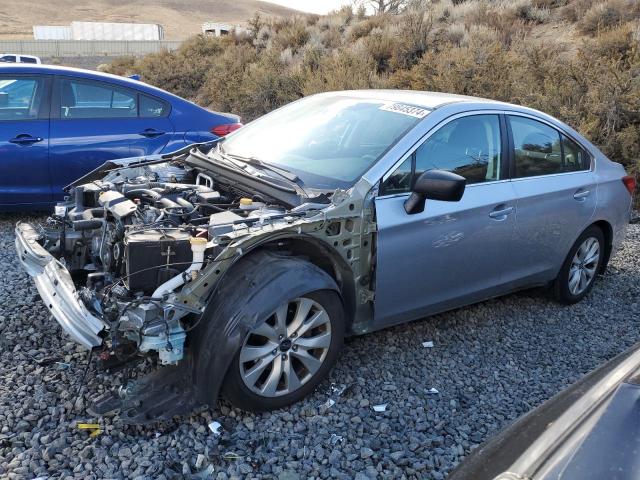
x=584 y=265
x=285 y=351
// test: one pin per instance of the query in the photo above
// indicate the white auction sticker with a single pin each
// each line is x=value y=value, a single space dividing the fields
x=404 y=109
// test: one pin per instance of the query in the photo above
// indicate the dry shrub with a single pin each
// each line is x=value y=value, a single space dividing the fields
x=344 y=70
x=605 y=15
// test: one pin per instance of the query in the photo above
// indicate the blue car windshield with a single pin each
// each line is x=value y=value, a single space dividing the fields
x=327 y=141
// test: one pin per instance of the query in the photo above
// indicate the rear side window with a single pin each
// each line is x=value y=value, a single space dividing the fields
x=151 y=108
x=87 y=99
x=28 y=60
x=20 y=97
x=537 y=148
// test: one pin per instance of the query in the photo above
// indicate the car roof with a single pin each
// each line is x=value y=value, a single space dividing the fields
x=79 y=72
x=429 y=100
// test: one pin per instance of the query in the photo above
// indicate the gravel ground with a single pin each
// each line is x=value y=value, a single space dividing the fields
x=490 y=363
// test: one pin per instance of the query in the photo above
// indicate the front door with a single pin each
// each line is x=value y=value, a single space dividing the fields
x=24 y=140
x=452 y=253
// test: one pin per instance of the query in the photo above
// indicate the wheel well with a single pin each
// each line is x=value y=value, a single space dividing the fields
x=607 y=231
x=324 y=258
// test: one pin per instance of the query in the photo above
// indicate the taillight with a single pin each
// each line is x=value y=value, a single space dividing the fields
x=630 y=182
x=226 y=129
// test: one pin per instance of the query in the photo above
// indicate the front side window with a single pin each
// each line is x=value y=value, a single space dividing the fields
x=469 y=146
x=86 y=99
x=28 y=60
x=20 y=97
x=537 y=148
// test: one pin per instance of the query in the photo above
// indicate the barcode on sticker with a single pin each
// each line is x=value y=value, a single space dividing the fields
x=410 y=110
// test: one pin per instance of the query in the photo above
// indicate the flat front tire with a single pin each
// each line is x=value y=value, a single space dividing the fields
x=288 y=353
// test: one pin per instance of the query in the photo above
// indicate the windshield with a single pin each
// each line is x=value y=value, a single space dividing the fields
x=327 y=141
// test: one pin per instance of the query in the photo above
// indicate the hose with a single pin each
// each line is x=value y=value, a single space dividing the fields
x=198 y=247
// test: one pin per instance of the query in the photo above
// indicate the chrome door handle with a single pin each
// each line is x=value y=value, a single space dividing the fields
x=581 y=195
x=24 y=139
x=501 y=213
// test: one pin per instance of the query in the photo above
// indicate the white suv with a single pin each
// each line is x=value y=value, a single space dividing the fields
x=12 y=58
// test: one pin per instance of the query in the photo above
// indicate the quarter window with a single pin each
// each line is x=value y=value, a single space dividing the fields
x=86 y=99
x=151 y=108
x=469 y=146
x=574 y=157
x=20 y=98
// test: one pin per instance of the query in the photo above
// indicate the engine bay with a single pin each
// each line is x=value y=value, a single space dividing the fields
x=130 y=243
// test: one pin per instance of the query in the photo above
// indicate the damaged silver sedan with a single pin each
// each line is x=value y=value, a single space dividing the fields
x=241 y=266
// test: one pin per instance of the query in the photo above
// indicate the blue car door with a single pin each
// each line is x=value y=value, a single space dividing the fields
x=93 y=122
x=24 y=140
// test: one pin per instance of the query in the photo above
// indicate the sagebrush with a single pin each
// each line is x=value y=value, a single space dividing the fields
x=578 y=60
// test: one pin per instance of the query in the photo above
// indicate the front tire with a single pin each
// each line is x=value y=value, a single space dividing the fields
x=287 y=354
x=580 y=268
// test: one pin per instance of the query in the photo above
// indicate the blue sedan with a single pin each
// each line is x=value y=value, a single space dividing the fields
x=56 y=124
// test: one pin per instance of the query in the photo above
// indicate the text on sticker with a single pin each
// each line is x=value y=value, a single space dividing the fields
x=405 y=110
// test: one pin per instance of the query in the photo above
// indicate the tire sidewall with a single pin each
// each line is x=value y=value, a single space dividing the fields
x=562 y=282
x=236 y=391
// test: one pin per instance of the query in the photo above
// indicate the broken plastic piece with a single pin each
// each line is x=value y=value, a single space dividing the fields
x=335 y=439
x=338 y=390
x=380 y=408
x=216 y=428
x=428 y=344
x=433 y=391
x=329 y=403
x=94 y=428
x=63 y=365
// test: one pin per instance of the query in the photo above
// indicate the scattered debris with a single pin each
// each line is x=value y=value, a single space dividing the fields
x=205 y=474
x=63 y=365
x=158 y=434
x=216 y=428
x=231 y=456
x=43 y=362
x=335 y=439
x=338 y=390
x=428 y=344
x=329 y=403
x=432 y=391
x=93 y=428
x=380 y=408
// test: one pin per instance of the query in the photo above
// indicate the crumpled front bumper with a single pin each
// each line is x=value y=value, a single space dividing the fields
x=56 y=288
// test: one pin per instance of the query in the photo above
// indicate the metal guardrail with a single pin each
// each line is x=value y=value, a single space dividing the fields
x=86 y=48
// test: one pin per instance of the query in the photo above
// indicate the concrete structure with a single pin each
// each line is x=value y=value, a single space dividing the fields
x=52 y=32
x=215 y=29
x=100 y=31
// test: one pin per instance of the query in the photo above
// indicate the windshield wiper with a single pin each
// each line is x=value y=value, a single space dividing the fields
x=267 y=166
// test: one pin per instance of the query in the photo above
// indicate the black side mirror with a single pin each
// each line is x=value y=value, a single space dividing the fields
x=434 y=185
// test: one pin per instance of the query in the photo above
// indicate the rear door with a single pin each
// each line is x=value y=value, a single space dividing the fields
x=94 y=121
x=24 y=140
x=556 y=197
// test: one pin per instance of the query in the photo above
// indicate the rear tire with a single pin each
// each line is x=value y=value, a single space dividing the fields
x=580 y=268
